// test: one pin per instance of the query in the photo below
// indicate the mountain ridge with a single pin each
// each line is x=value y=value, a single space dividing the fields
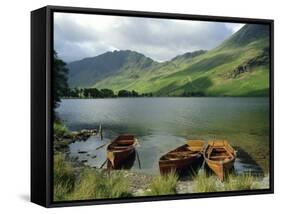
x=239 y=66
x=92 y=69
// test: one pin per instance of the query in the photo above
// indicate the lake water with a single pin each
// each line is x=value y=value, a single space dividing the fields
x=161 y=124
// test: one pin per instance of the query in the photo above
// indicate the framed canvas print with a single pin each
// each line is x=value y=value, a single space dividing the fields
x=134 y=106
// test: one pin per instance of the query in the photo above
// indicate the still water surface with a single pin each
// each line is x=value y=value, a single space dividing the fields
x=161 y=124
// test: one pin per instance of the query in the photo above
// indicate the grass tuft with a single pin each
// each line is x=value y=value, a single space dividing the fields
x=88 y=184
x=163 y=185
x=245 y=181
x=97 y=185
x=64 y=177
x=205 y=183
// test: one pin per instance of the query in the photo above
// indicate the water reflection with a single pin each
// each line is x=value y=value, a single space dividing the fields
x=162 y=124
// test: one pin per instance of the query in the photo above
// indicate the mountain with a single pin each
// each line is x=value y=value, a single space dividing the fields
x=188 y=55
x=249 y=33
x=239 y=66
x=88 y=71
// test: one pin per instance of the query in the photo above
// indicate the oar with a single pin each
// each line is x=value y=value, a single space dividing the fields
x=103 y=163
x=138 y=159
x=204 y=161
x=101 y=146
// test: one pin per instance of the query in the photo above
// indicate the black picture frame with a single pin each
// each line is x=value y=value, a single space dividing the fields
x=41 y=99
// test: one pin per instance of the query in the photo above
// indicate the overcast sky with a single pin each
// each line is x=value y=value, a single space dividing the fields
x=77 y=36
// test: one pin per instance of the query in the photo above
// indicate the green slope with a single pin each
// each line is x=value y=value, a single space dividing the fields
x=88 y=71
x=238 y=67
x=143 y=83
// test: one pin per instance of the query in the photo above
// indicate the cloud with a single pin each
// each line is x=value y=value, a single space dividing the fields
x=77 y=36
x=234 y=26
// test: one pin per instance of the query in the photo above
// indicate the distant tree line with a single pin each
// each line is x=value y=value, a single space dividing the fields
x=102 y=93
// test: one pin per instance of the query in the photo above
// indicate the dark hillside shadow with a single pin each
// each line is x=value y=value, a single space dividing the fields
x=258 y=93
x=198 y=85
x=193 y=88
x=212 y=62
x=168 y=89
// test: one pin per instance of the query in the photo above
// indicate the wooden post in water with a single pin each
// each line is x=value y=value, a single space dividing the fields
x=100 y=132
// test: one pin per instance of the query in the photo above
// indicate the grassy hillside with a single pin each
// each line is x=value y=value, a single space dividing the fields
x=238 y=67
x=88 y=71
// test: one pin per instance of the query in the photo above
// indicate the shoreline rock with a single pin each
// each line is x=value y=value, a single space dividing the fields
x=61 y=143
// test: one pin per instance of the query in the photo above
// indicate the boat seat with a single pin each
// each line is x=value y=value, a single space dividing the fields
x=182 y=152
x=218 y=157
x=125 y=141
x=179 y=156
x=119 y=146
x=128 y=143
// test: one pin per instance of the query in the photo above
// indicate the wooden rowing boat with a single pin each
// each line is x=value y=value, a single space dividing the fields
x=219 y=156
x=120 y=150
x=181 y=159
